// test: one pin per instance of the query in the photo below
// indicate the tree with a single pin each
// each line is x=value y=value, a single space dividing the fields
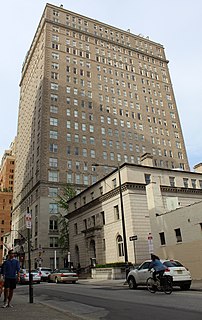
x=68 y=192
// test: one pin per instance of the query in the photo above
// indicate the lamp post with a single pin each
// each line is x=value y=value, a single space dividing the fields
x=122 y=212
x=28 y=221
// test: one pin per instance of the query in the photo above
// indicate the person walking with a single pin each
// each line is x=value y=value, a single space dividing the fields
x=10 y=269
x=2 y=281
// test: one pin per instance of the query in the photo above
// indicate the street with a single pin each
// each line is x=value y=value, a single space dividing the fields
x=92 y=301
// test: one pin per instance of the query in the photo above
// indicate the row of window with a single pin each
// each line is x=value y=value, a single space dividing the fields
x=178 y=235
x=109 y=34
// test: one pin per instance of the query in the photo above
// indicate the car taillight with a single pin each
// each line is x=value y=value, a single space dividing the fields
x=24 y=275
x=40 y=273
x=62 y=275
x=167 y=270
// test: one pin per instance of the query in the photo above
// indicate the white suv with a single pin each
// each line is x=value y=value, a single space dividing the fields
x=180 y=275
x=44 y=272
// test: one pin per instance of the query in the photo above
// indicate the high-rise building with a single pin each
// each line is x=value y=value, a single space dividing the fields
x=6 y=194
x=90 y=92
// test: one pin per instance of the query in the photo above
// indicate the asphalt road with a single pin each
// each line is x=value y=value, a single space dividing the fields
x=94 y=302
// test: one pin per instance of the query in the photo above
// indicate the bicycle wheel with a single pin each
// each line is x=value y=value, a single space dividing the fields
x=167 y=286
x=151 y=285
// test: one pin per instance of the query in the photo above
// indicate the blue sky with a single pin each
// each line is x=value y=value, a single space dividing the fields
x=177 y=25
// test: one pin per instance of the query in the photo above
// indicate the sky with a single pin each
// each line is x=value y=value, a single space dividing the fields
x=176 y=24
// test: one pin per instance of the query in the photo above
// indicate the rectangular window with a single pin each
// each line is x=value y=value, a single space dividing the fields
x=114 y=183
x=193 y=183
x=53 y=208
x=52 y=192
x=162 y=238
x=172 y=181
x=178 y=235
x=53 y=176
x=53 y=135
x=53 y=162
x=186 y=182
x=75 y=228
x=103 y=217
x=116 y=212
x=147 y=178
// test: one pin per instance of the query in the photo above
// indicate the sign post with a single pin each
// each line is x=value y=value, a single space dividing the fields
x=134 y=238
x=28 y=222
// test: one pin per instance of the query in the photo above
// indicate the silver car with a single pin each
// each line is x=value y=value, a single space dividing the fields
x=63 y=275
x=24 y=276
x=180 y=275
x=44 y=272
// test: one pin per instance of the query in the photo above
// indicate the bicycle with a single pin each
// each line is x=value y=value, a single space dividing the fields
x=161 y=284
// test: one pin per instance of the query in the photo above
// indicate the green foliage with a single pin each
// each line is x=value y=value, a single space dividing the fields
x=113 y=265
x=68 y=192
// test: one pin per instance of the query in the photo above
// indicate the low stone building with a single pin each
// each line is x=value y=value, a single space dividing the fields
x=95 y=221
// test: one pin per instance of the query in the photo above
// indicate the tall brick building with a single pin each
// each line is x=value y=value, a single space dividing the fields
x=90 y=92
x=6 y=193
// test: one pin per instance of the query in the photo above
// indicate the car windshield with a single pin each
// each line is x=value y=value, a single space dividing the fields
x=172 y=263
x=65 y=271
x=46 y=269
x=34 y=271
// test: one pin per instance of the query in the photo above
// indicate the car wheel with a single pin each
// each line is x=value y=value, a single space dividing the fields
x=56 y=280
x=73 y=281
x=132 y=283
x=185 y=286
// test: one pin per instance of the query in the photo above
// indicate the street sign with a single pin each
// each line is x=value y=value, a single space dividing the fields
x=28 y=220
x=133 y=238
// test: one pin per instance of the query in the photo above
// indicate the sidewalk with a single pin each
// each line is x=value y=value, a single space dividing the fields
x=40 y=311
x=24 y=310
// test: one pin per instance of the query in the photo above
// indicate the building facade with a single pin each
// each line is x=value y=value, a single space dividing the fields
x=90 y=92
x=95 y=223
x=6 y=195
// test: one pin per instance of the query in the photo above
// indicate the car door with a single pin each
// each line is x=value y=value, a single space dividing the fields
x=143 y=273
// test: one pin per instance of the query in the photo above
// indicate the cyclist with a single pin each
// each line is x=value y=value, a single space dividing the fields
x=158 y=267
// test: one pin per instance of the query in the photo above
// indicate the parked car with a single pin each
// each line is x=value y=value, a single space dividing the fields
x=24 y=276
x=44 y=272
x=180 y=275
x=63 y=275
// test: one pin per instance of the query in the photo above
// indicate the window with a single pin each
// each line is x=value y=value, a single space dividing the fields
x=53 y=122
x=53 y=208
x=120 y=246
x=114 y=183
x=53 y=135
x=53 y=147
x=52 y=192
x=147 y=178
x=53 y=176
x=193 y=183
x=172 y=181
x=53 y=162
x=186 y=182
x=75 y=228
x=162 y=238
x=116 y=212
x=178 y=235
x=53 y=225
x=53 y=242
x=53 y=109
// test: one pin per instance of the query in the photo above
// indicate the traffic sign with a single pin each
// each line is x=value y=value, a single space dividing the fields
x=133 y=238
